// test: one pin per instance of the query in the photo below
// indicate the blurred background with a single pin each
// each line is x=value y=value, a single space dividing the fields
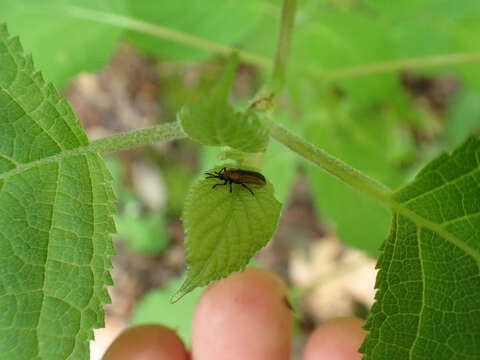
x=385 y=86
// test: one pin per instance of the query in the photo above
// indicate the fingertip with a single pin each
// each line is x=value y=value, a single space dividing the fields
x=147 y=342
x=336 y=340
x=243 y=317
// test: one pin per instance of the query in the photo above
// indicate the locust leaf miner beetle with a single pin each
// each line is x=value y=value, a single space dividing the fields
x=237 y=176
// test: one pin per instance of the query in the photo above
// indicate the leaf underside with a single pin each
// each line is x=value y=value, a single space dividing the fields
x=220 y=21
x=428 y=299
x=56 y=203
x=214 y=122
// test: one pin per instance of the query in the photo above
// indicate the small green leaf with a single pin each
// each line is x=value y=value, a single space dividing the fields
x=224 y=230
x=214 y=122
x=428 y=300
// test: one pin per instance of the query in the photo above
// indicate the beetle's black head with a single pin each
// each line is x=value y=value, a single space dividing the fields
x=216 y=174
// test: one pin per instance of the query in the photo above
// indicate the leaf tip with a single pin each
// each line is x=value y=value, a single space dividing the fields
x=187 y=286
x=177 y=296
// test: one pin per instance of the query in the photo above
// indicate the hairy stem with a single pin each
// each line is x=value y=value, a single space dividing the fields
x=283 y=45
x=135 y=138
x=126 y=140
x=330 y=164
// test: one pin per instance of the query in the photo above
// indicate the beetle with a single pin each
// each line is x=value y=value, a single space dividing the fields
x=237 y=176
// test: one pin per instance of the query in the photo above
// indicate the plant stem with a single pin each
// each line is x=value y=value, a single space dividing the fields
x=126 y=140
x=283 y=46
x=329 y=163
x=135 y=138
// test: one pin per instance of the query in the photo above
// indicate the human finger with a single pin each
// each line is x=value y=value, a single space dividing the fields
x=245 y=316
x=336 y=340
x=147 y=342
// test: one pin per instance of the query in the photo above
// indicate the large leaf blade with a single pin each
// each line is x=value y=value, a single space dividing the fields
x=219 y=21
x=56 y=203
x=428 y=302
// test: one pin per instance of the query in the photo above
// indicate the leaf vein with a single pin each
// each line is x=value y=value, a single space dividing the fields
x=47 y=256
x=422 y=271
x=457 y=179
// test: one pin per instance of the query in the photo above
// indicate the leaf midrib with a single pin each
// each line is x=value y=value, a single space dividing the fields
x=435 y=227
x=46 y=160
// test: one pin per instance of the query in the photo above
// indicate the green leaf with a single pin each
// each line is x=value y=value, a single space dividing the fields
x=431 y=28
x=463 y=116
x=428 y=300
x=347 y=39
x=178 y=178
x=155 y=307
x=143 y=233
x=56 y=204
x=366 y=141
x=425 y=8
x=214 y=122
x=345 y=43
x=64 y=44
x=465 y=37
x=224 y=230
x=219 y=21
x=280 y=166
x=345 y=210
x=400 y=8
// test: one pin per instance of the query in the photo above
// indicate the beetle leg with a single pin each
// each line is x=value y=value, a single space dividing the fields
x=225 y=183
x=230 y=187
x=246 y=187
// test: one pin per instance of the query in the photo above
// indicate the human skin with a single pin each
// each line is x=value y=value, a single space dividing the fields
x=247 y=307
x=147 y=342
x=244 y=316
x=336 y=340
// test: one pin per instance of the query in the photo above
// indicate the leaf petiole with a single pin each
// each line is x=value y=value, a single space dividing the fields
x=329 y=163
